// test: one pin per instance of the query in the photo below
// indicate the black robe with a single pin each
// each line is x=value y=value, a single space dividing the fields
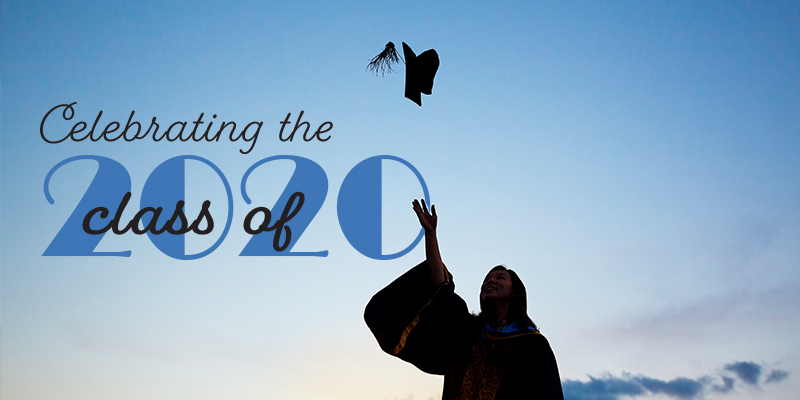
x=430 y=327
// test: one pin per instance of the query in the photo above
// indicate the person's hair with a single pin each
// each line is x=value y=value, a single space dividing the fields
x=518 y=310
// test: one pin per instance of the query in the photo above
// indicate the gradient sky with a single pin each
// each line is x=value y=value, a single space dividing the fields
x=635 y=162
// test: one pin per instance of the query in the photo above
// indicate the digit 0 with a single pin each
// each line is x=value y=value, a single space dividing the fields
x=359 y=207
x=164 y=188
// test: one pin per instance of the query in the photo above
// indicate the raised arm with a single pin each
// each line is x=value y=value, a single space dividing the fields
x=428 y=221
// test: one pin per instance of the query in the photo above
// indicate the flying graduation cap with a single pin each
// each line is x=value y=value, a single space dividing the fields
x=420 y=69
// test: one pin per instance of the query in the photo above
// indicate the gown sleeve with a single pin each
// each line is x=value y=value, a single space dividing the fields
x=415 y=320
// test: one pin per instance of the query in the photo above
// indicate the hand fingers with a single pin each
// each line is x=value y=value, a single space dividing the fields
x=417 y=209
x=422 y=210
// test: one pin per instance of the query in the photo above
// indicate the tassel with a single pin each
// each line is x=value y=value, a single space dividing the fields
x=383 y=61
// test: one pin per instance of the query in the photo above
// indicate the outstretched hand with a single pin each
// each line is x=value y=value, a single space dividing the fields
x=426 y=218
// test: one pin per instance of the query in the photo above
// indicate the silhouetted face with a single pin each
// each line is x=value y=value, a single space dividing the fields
x=497 y=286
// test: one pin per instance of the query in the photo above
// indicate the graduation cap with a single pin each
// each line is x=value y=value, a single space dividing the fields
x=420 y=69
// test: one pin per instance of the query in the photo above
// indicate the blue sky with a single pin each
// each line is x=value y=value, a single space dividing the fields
x=635 y=162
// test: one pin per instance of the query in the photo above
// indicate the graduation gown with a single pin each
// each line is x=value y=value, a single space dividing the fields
x=430 y=327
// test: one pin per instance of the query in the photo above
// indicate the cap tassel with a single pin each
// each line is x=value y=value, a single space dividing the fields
x=383 y=61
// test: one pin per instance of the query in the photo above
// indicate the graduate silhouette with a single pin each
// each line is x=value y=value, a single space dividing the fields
x=498 y=354
x=420 y=69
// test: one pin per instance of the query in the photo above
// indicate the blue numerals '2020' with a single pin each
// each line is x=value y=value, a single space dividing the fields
x=358 y=208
